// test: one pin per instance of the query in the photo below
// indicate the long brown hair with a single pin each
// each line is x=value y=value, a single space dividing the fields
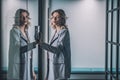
x=62 y=21
x=17 y=17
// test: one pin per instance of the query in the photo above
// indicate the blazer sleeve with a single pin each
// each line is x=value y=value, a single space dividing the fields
x=27 y=47
x=61 y=43
x=15 y=33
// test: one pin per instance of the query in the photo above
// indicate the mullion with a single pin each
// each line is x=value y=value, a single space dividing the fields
x=117 y=59
x=118 y=62
x=1 y=39
x=107 y=39
x=111 y=40
x=117 y=36
x=107 y=17
x=106 y=44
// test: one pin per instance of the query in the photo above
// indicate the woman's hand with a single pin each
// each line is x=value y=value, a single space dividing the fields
x=34 y=76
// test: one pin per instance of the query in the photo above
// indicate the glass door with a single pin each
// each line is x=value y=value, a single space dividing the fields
x=8 y=9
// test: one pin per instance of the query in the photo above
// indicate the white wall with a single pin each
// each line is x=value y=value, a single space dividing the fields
x=86 y=23
x=9 y=8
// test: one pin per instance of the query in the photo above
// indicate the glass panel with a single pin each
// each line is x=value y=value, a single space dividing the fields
x=8 y=20
x=109 y=4
x=8 y=14
x=114 y=26
x=114 y=60
x=33 y=9
x=108 y=77
x=109 y=26
x=109 y=53
x=115 y=2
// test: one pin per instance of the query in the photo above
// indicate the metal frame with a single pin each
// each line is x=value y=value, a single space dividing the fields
x=0 y=42
x=117 y=44
x=40 y=23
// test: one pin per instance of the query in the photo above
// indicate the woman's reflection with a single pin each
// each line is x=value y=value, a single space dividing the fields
x=20 y=49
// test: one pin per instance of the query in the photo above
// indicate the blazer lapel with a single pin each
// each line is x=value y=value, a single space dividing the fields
x=53 y=40
x=23 y=37
x=55 y=36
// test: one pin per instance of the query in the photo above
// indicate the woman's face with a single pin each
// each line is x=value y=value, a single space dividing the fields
x=24 y=19
x=54 y=19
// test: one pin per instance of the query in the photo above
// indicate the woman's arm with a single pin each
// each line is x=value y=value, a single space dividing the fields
x=61 y=44
x=28 y=47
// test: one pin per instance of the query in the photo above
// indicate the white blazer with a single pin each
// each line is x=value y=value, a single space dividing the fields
x=18 y=46
x=60 y=47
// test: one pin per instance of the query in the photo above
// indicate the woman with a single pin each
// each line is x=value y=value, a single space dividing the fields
x=59 y=53
x=20 y=49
